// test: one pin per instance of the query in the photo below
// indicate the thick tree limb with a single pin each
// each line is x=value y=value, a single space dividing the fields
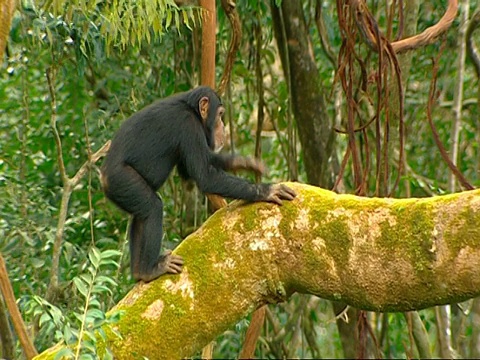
x=368 y=27
x=374 y=254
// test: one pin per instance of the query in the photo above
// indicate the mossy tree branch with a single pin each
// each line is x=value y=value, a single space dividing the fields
x=374 y=254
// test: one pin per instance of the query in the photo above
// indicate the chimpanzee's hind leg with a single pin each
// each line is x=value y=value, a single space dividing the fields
x=145 y=243
x=131 y=192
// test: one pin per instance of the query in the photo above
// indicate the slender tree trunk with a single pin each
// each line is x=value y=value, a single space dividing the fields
x=458 y=93
x=313 y=123
x=7 y=7
x=420 y=334
x=6 y=336
x=451 y=318
x=346 y=330
x=208 y=66
x=475 y=338
x=208 y=42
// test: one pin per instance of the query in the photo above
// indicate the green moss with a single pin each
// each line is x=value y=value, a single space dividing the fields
x=462 y=228
x=338 y=241
x=332 y=229
x=463 y=231
x=250 y=218
x=289 y=213
x=197 y=253
x=410 y=235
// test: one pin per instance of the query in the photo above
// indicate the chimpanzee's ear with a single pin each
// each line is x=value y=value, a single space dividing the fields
x=203 y=106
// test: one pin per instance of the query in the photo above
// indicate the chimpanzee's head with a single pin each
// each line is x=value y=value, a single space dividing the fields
x=210 y=109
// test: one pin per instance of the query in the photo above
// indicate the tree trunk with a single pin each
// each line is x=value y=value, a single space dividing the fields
x=7 y=7
x=313 y=123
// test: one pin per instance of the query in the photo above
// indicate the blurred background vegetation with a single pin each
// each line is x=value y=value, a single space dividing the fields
x=323 y=109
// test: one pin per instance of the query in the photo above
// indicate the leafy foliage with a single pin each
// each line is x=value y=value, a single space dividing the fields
x=81 y=328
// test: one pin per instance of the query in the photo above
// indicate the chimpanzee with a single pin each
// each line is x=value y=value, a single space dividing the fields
x=183 y=130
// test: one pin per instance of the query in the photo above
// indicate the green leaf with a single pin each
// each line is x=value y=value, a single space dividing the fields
x=87 y=278
x=96 y=314
x=64 y=353
x=168 y=20
x=45 y=318
x=81 y=286
x=68 y=335
x=94 y=256
x=109 y=262
x=95 y=303
x=105 y=279
x=110 y=253
x=99 y=289
x=87 y=356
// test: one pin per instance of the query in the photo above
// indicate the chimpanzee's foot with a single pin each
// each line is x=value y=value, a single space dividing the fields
x=168 y=263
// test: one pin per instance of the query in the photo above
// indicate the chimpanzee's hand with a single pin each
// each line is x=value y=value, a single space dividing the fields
x=249 y=164
x=279 y=192
x=255 y=165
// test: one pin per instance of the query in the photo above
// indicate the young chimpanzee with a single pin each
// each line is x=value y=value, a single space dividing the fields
x=183 y=130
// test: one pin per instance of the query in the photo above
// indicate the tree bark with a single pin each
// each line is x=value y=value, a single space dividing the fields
x=208 y=66
x=371 y=253
x=208 y=42
x=7 y=8
x=313 y=123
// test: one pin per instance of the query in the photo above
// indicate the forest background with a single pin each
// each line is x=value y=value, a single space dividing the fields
x=327 y=110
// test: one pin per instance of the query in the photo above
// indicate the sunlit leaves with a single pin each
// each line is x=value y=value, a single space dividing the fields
x=123 y=23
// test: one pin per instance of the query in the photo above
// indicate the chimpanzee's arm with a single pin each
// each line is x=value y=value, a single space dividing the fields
x=214 y=180
x=195 y=159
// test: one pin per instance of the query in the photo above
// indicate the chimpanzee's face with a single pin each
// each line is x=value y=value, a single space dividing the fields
x=219 y=130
